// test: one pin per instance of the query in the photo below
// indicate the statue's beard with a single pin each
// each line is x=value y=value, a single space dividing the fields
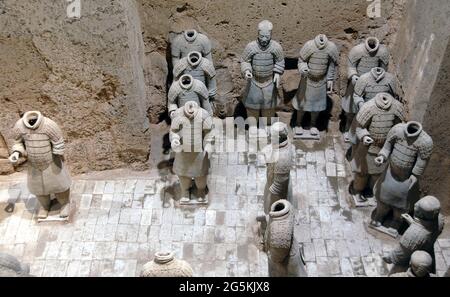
x=263 y=43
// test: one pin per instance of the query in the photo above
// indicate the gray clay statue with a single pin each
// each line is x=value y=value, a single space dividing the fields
x=262 y=64
x=284 y=253
x=166 y=265
x=280 y=159
x=199 y=68
x=317 y=66
x=420 y=266
x=41 y=141
x=422 y=233
x=11 y=267
x=191 y=139
x=408 y=149
x=373 y=123
x=185 y=89
x=361 y=59
x=189 y=41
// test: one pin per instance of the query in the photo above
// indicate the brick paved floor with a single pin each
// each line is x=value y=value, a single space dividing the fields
x=120 y=222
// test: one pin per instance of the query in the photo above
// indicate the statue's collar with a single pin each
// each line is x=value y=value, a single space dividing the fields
x=321 y=41
x=30 y=116
x=190 y=35
x=413 y=129
x=194 y=58
x=383 y=101
x=186 y=81
x=372 y=44
x=378 y=73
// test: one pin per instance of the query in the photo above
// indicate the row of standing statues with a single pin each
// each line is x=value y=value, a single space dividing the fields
x=387 y=154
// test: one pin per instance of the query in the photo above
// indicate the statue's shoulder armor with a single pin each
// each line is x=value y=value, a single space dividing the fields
x=208 y=67
x=425 y=144
x=200 y=88
x=362 y=82
x=414 y=237
x=367 y=111
x=307 y=50
x=333 y=51
x=250 y=50
x=356 y=53
x=205 y=42
x=51 y=128
x=174 y=91
x=383 y=53
x=285 y=160
x=398 y=109
x=276 y=48
x=180 y=67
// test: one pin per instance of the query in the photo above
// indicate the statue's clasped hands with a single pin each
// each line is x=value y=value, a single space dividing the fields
x=367 y=140
x=379 y=160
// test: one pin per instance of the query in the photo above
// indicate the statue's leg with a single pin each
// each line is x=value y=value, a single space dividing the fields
x=298 y=123
x=185 y=184
x=397 y=217
x=381 y=212
x=45 y=202
x=200 y=182
x=314 y=116
x=268 y=114
x=64 y=199
x=359 y=184
x=348 y=123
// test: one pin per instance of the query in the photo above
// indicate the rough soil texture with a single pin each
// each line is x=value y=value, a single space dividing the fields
x=104 y=77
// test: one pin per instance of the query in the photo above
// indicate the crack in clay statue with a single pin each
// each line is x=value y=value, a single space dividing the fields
x=284 y=254
x=317 y=66
x=186 y=89
x=279 y=157
x=188 y=41
x=262 y=64
x=420 y=266
x=41 y=141
x=373 y=122
x=166 y=265
x=408 y=149
x=199 y=68
x=192 y=140
x=422 y=233
x=11 y=267
x=361 y=59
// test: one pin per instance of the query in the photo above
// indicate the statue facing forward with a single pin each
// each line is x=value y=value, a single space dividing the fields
x=191 y=140
x=262 y=64
x=361 y=59
x=41 y=141
x=317 y=66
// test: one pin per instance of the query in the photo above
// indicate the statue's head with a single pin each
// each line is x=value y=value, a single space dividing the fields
x=278 y=132
x=264 y=33
x=427 y=208
x=421 y=263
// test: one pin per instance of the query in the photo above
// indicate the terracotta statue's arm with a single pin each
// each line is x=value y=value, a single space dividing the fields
x=422 y=159
x=279 y=61
x=331 y=74
x=212 y=86
x=387 y=147
x=246 y=61
x=279 y=180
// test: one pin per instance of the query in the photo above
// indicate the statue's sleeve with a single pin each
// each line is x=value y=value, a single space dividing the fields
x=333 y=58
x=212 y=86
x=56 y=136
x=203 y=92
x=400 y=255
x=279 y=59
x=175 y=128
x=172 y=97
x=246 y=59
x=175 y=50
x=18 y=145
x=210 y=76
x=303 y=58
x=352 y=63
x=279 y=179
x=424 y=154
x=331 y=74
x=390 y=141
x=359 y=92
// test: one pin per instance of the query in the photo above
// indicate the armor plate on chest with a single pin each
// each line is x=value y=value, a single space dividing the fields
x=192 y=136
x=263 y=64
x=196 y=73
x=374 y=88
x=39 y=150
x=188 y=95
x=404 y=155
x=318 y=63
x=367 y=63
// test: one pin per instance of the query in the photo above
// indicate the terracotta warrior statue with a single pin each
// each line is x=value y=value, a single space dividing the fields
x=361 y=59
x=11 y=267
x=191 y=140
x=185 y=89
x=317 y=66
x=262 y=64
x=188 y=41
x=373 y=122
x=199 y=68
x=408 y=149
x=422 y=233
x=41 y=141
x=420 y=265
x=283 y=251
x=166 y=265
x=279 y=157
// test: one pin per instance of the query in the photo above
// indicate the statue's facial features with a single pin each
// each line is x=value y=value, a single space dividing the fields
x=264 y=38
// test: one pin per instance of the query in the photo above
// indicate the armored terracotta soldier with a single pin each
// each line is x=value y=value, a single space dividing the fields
x=284 y=255
x=11 y=267
x=192 y=140
x=422 y=233
x=408 y=149
x=420 y=266
x=189 y=41
x=166 y=265
x=262 y=64
x=377 y=80
x=185 y=89
x=199 y=68
x=279 y=157
x=317 y=66
x=374 y=120
x=41 y=141
x=361 y=59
